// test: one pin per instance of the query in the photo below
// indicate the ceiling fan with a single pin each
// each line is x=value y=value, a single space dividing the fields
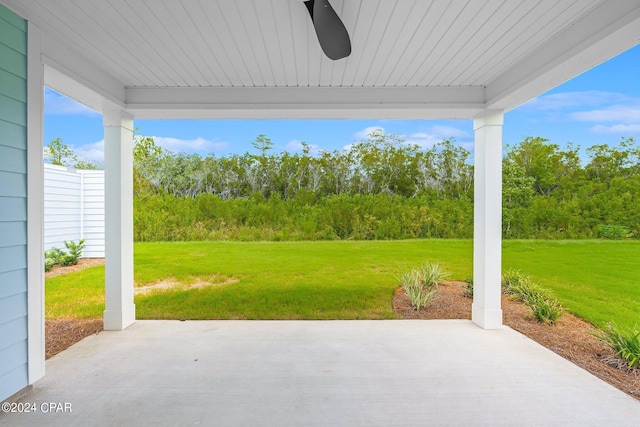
x=331 y=32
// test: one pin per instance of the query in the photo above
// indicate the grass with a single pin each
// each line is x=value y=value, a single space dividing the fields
x=290 y=280
x=597 y=280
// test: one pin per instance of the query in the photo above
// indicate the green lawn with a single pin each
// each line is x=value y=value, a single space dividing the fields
x=346 y=280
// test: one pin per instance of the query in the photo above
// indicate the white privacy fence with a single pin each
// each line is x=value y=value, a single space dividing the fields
x=74 y=208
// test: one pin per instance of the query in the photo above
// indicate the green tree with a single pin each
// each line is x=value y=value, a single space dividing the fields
x=517 y=196
x=545 y=163
x=58 y=153
x=262 y=144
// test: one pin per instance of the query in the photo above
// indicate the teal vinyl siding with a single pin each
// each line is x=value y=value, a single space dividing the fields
x=12 y=283
x=13 y=209
x=13 y=111
x=12 y=135
x=14 y=358
x=13 y=233
x=13 y=160
x=12 y=61
x=13 y=86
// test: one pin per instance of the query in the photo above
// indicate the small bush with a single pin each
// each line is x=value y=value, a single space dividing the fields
x=420 y=284
x=615 y=232
x=56 y=256
x=545 y=309
x=413 y=287
x=431 y=274
x=527 y=292
x=512 y=280
x=75 y=251
x=520 y=287
x=625 y=342
x=468 y=289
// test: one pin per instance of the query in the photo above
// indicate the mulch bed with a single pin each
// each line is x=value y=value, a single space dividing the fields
x=571 y=337
x=60 y=334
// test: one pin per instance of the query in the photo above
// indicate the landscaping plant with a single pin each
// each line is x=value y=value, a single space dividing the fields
x=56 y=256
x=513 y=280
x=625 y=342
x=468 y=289
x=420 y=284
x=545 y=309
x=520 y=287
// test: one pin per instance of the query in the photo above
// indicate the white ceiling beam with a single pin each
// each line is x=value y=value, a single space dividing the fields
x=306 y=102
x=606 y=31
x=76 y=77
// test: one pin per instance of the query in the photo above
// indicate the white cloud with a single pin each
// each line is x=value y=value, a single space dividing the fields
x=364 y=133
x=197 y=145
x=613 y=113
x=563 y=100
x=449 y=132
x=620 y=119
x=95 y=150
x=618 y=129
x=435 y=134
x=92 y=151
x=59 y=105
x=424 y=139
x=296 y=146
x=609 y=112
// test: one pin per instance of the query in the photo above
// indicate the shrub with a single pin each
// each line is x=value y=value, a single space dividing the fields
x=625 y=342
x=544 y=309
x=512 y=280
x=519 y=286
x=615 y=232
x=414 y=288
x=420 y=284
x=431 y=274
x=75 y=252
x=468 y=289
x=56 y=256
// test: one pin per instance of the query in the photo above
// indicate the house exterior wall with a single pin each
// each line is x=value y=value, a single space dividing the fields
x=74 y=208
x=14 y=370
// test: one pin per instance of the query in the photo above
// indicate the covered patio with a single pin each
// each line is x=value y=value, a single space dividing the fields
x=261 y=59
x=319 y=373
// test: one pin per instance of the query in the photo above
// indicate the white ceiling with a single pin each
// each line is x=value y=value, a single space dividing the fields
x=210 y=58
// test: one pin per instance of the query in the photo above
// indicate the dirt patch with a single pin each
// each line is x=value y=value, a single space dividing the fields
x=167 y=285
x=571 y=337
x=81 y=265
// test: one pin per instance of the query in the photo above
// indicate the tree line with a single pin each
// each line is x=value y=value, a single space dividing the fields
x=382 y=188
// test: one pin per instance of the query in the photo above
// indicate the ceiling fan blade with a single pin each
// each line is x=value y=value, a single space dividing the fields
x=332 y=34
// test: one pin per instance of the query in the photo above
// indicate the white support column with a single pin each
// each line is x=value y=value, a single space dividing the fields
x=120 y=311
x=35 y=204
x=487 y=216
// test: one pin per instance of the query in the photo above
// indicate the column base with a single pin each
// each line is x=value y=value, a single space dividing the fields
x=486 y=318
x=119 y=320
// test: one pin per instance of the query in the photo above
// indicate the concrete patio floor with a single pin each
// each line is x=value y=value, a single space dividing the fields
x=327 y=373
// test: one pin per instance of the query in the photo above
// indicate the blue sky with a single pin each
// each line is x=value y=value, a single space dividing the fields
x=599 y=106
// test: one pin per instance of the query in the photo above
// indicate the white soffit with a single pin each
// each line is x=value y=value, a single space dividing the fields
x=261 y=58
